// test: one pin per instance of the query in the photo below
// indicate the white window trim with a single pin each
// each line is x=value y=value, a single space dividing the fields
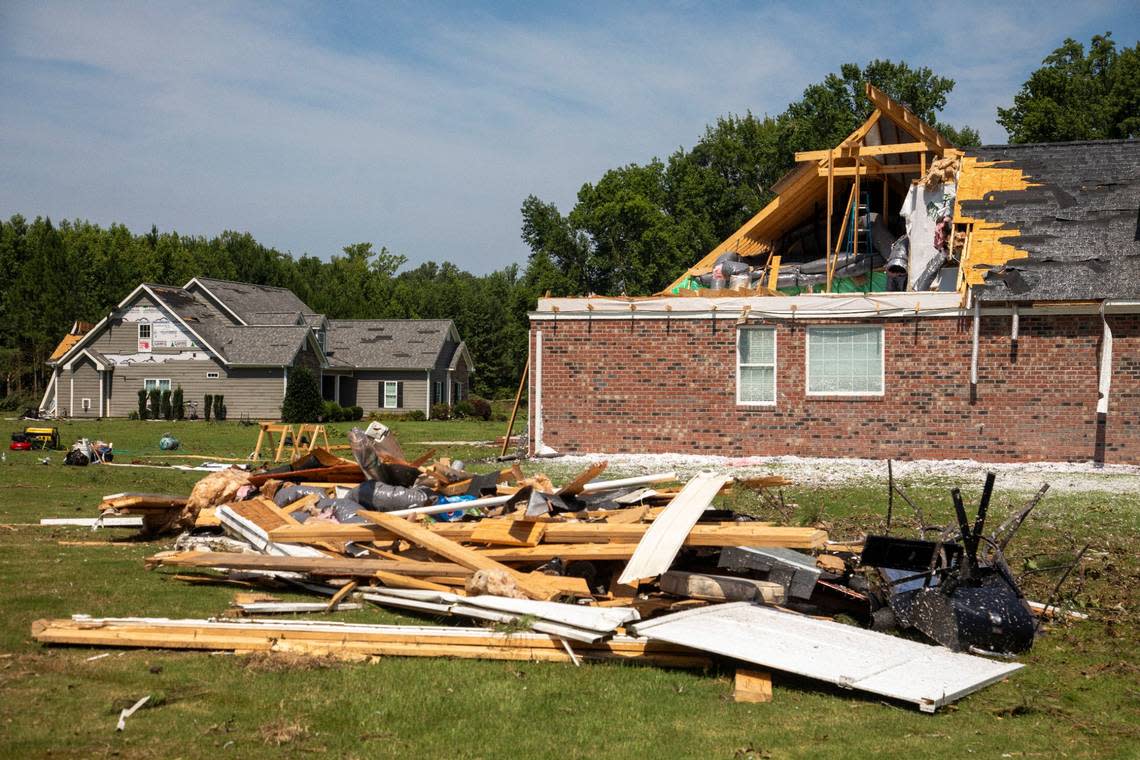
x=149 y=337
x=396 y=402
x=213 y=375
x=85 y=404
x=845 y=394
x=437 y=392
x=158 y=381
x=775 y=354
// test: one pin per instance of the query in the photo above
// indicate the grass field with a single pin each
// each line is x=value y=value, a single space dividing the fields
x=1078 y=697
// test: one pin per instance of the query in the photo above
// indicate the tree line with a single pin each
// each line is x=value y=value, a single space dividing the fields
x=632 y=231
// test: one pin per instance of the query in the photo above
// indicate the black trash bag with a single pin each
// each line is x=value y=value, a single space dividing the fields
x=373 y=494
x=76 y=458
x=289 y=494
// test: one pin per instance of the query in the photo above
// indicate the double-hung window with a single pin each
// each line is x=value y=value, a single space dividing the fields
x=756 y=366
x=391 y=394
x=845 y=361
x=145 y=343
x=161 y=384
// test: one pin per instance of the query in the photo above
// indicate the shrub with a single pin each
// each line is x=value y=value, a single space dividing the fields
x=416 y=415
x=358 y=413
x=302 y=397
x=463 y=409
x=220 y=410
x=481 y=407
x=440 y=412
x=155 y=411
x=141 y=414
x=209 y=407
x=178 y=403
x=332 y=411
x=167 y=405
x=132 y=415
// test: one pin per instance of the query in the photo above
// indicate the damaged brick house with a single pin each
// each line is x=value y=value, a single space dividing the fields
x=241 y=341
x=899 y=298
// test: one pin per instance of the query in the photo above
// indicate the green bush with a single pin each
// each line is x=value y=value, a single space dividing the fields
x=358 y=413
x=209 y=406
x=463 y=410
x=155 y=410
x=302 y=397
x=220 y=411
x=141 y=414
x=167 y=405
x=416 y=415
x=482 y=408
x=132 y=415
x=440 y=412
x=178 y=403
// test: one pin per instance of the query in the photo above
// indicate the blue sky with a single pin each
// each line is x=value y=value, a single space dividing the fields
x=423 y=126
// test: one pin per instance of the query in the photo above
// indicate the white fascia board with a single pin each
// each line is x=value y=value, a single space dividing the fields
x=98 y=364
x=218 y=301
x=818 y=306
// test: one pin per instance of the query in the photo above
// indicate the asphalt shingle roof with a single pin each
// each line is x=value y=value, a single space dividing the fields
x=1080 y=224
x=257 y=304
x=388 y=343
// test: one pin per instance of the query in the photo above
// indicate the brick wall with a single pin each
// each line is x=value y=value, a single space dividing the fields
x=670 y=386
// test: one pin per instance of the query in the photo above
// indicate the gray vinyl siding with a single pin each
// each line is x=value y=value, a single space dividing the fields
x=369 y=384
x=119 y=337
x=84 y=379
x=256 y=393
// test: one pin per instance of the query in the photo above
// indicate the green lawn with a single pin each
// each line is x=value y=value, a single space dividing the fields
x=1079 y=697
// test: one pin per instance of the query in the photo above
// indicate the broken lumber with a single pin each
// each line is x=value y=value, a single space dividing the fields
x=325 y=637
x=450 y=550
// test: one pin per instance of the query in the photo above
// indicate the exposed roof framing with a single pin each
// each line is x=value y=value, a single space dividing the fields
x=887 y=146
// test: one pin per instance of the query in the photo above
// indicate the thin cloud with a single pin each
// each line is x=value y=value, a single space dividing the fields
x=423 y=129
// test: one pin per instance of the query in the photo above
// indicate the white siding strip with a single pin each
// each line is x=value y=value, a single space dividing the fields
x=661 y=542
x=853 y=658
x=1105 y=366
x=536 y=418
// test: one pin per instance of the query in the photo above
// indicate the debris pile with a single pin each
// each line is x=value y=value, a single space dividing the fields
x=629 y=569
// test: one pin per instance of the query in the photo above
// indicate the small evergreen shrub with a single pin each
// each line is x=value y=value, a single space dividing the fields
x=209 y=407
x=303 y=401
x=178 y=403
x=155 y=410
x=440 y=412
x=167 y=405
x=141 y=413
x=220 y=411
x=463 y=410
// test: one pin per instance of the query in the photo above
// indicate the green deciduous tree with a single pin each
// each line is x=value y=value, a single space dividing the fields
x=1078 y=96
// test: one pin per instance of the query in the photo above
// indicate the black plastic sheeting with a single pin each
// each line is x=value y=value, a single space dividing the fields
x=1080 y=224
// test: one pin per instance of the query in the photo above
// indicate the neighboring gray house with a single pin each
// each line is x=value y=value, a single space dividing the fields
x=240 y=340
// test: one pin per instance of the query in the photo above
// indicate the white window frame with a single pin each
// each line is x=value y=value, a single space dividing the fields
x=149 y=338
x=158 y=381
x=395 y=394
x=86 y=404
x=213 y=375
x=847 y=394
x=437 y=392
x=775 y=354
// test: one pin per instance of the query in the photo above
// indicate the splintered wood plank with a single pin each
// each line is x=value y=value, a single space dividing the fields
x=508 y=532
x=626 y=516
x=448 y=549
x=342 y=639
x=752 y=686
x=567 y=552
x=703 y=534
x=396 y=580
x=340 y=595
x=343 y=567
x=574 y=487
